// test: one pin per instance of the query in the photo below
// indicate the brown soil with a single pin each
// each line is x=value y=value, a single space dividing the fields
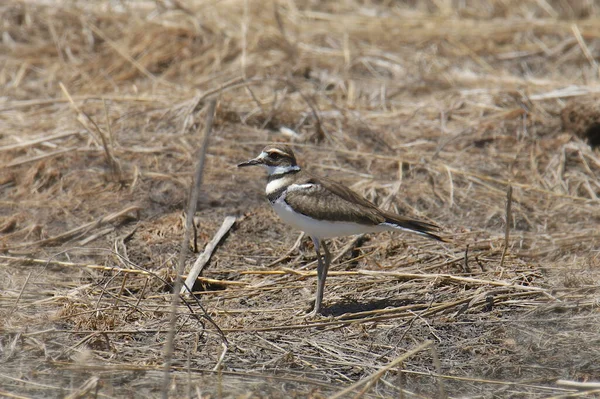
x=432 y=109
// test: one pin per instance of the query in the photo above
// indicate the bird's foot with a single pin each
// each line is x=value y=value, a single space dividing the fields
x=312 y=315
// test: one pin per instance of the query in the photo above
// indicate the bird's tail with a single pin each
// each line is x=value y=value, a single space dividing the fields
x=426 y=229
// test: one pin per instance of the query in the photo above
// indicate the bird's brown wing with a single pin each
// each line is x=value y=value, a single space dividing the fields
x=328 y=200
x=389 y=217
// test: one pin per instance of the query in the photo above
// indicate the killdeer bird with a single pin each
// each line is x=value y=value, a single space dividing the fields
x=323 y=208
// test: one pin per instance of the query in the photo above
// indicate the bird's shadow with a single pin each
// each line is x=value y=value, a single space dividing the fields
x=349 y=307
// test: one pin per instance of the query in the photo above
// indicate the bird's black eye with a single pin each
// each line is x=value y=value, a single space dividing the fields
x=274 y=156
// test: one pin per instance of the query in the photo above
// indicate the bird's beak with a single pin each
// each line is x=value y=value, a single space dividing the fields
x=255 y=161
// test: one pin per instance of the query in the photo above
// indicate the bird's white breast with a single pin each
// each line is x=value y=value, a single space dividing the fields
x=276 y=184
x=320 y=228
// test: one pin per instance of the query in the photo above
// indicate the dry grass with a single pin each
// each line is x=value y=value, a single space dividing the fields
x=431 y=108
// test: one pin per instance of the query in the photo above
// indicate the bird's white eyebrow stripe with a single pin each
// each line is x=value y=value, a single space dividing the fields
x=278 y=151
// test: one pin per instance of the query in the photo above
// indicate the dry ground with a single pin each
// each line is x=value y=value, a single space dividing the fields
x=431 y=108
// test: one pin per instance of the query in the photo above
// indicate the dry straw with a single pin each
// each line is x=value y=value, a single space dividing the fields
x=433 y=109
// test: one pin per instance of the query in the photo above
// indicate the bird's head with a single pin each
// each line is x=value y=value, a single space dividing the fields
x=277 y=158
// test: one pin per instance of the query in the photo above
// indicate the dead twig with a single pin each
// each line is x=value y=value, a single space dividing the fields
x=205 y=256
x=12 y=310
x=191 y=210
x=288 y=253
x=84 y=390
x=79 y=230
x=584 y=386
x=403 y=276
x=114 y=269
x=507 y=227
x=21 y=161
x=91 y=126
x=373 y=378
x=40 y=140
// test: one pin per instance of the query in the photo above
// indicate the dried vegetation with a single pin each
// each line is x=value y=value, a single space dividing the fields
x=432 y=108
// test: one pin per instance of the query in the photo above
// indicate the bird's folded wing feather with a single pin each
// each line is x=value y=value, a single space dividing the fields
x=327 y=200
x=380 y=216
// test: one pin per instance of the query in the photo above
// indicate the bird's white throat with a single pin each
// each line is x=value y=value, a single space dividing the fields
x=281 y=170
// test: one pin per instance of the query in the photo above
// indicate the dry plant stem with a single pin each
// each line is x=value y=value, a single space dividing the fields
x=408 y=276
x=479 y=380
x=112 y=269
x=348 y=247
x=85 y=119
x=19 y=162
x=587 y=394
x=377 y=375
x=132 y=367
x=466 y=267
x=221 y=357
x=241 y=82
x=109 y=145
x=290 y=252
x=95 y=236
x=205 y=256
x=124 y=54
x=6 y=394
x=578 y=385
x=20 y=295
x=85 y=389
x=118 y=298
x=38 y=141
x=191 y=210
x=584 y=48
x=81 y=229
x=438 y=368
x=117 y=270
x=507 y=227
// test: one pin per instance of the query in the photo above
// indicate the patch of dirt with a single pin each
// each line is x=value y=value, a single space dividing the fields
x=426 y=108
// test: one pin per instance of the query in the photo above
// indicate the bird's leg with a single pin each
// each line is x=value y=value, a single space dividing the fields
x=322 y=268
x=327 y=259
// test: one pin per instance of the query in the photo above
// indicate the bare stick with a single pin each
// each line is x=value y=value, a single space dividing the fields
x=403 y=276
x=587 y=394
x=21 y=161
x=79 y=230
x=191 y=210
x=205 y=256
x=39 y=140
x=578 y=385
x=507 y=228
x=438 y=369
x=109 y=145
x=586 y=51
x=114 y=269
x=288 y=253
x=20 y=295
x=377 y=375
x=466 y=267
x=350 y=246
x=221 y=357
x=118 y=298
